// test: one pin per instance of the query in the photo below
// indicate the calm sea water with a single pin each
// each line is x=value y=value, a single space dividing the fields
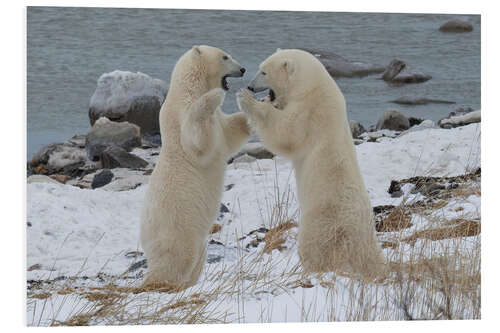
x=69 y=48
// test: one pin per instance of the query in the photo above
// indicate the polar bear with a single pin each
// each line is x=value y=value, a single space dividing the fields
x=185 y=188
x=304 y=119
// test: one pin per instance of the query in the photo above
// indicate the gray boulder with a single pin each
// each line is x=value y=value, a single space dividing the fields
x=255 y=150
x=461 y=120
x=116 y=157
x=338 y=66
x=102 y=178
x=393 y=120
x=456 y=25
x=126 y=96
x=395 y=73
x=356 y=129
x=106 y=133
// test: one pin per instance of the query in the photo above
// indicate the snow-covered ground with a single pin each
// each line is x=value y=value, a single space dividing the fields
x=84 y=234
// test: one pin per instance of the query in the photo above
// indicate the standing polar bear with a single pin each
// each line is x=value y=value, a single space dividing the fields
x=304 y=119
x=185 y=188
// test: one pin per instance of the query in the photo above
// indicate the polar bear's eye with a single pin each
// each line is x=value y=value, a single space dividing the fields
x=225 y=57
x=263 y=73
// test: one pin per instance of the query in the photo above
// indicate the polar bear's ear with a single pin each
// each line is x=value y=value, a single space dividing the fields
x=289 y=66
x=196 y=49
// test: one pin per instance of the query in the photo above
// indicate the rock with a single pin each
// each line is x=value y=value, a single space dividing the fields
x=78 y=141
x=244 y=159
x=140 y=264
x=102 y=178
x=358 y=141
x=116 y=157
x=461 y=120
x=393 y=120
x=456 y=25
x=106 y=133
x=414 y=121
x=34 y=267
x=393 y=69
x=406 y=100
x=132 y=97
x=253 y=149
x=427 y=189
x=60 y=178
x=394 y=74
x=57 y=156
x=338 y=66
x=41 y=179
x=151 y=141
x=134 y=254
x=356 y=129
x=422 y=126
x=223 y=209
x=411 y=77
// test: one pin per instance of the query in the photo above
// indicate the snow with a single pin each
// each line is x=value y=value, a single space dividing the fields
x=83 y=232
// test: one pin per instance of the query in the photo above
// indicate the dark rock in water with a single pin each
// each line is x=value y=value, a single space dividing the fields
x=102 y=178
x=393 y=120
x=405 y=100
x=414 y=121
x=338 y=66
x=106 y=133
x=456 y=25
x=126 y=96
x=116 y=157
x=393 y=69
x=412 y=77
x=356 y=129
x=140 y=264
x=395 y=74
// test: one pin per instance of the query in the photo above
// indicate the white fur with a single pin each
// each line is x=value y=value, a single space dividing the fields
x=308 y=124
x=184 y=192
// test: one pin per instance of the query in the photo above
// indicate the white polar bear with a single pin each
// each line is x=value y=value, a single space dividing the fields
x=304 y=119
x=185 y=188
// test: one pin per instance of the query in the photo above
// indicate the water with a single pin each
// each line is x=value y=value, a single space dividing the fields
x=69 y=48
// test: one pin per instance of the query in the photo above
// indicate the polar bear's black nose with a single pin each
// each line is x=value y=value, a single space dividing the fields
x=242 y=70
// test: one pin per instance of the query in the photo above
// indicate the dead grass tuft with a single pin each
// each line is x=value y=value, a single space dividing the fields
x=215 y=228
x=463 y=229
x=276 y=236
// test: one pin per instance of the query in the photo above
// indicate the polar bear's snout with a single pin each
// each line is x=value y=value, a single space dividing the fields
x=236 y=70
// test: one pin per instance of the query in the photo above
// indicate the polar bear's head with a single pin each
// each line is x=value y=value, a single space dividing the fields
x=287 y=74
x=215 y=64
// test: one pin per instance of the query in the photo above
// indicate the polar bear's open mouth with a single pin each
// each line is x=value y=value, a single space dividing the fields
x=224 y=83
x=272 y=95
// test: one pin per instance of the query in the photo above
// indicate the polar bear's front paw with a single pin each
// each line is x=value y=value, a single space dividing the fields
x=215 y=97
x=245 y=101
